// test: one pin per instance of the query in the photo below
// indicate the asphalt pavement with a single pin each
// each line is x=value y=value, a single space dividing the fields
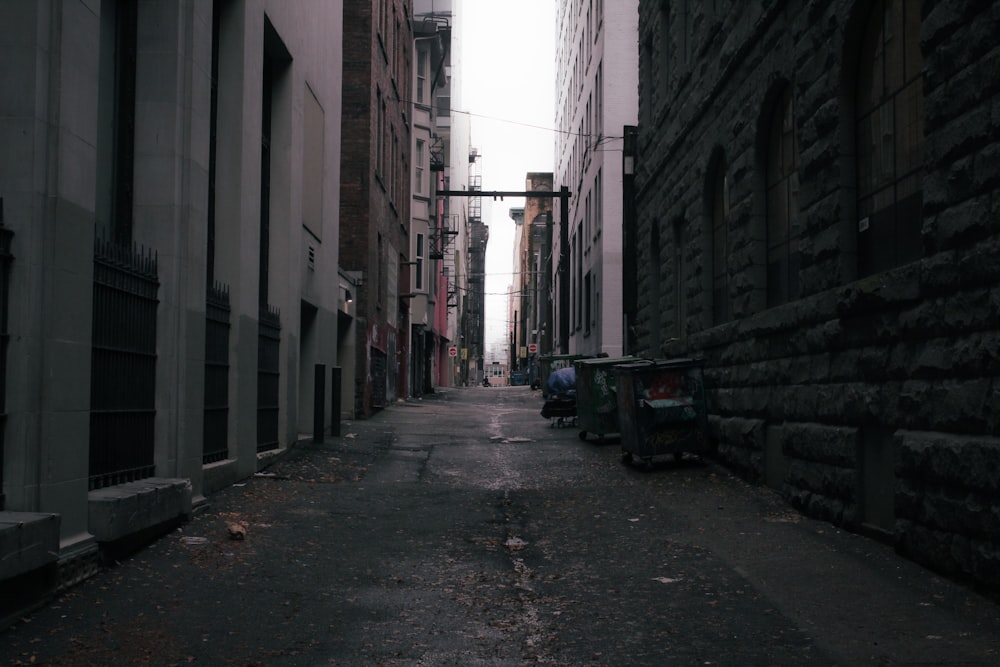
x=465 y=529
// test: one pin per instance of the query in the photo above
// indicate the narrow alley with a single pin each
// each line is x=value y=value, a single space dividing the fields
x=464 y=529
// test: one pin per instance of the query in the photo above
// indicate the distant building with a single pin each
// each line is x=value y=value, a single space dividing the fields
x=429 y=360
x=460 y=215
x=531 y=325
x=596 y=97
x=168 y=262
x=816 y=218
x=375 y=194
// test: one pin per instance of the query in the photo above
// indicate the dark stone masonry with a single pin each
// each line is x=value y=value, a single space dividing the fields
x=834 y=253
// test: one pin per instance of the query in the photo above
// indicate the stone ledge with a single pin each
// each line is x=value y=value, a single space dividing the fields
x=134 y=508
x=28 y=541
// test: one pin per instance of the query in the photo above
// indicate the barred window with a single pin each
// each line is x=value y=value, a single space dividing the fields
x=890 y=138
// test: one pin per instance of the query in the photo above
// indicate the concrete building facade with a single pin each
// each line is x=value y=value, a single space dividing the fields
x=168 y=253
x=597 y=66
x=817 y=218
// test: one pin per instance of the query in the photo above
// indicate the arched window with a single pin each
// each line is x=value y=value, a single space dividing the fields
x=890 y=137
x=718 y=219
x=782 y=204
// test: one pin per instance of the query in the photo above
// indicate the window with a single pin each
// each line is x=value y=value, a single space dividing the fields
x=598 y=195
x=421 y=74
x=586 y=303
x=664 y=52
x=646 y=89
x=599 y=100
x=890 y=138
x=719 y=220
x=418 y=186
x=654 y=288
x=379 y=269
x=418 y=254
x=680 y=301
x=380 y=134
x=394 y=165
x=782 y=204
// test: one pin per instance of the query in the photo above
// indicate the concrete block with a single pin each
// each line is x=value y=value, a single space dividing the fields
x=127 y=509
x=28 y=541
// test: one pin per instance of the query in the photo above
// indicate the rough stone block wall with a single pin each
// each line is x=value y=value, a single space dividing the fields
x=909 y=357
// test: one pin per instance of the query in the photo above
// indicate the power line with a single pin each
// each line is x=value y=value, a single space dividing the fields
x=600 y=138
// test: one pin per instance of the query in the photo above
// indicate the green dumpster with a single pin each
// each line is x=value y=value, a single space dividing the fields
x=662 y=408
x=597 y=395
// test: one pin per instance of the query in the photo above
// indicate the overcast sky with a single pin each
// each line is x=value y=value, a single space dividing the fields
x=508 y=65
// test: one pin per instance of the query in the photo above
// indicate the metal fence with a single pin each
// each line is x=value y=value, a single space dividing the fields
x=216 y=419
x=123 y=369
x=268 y=374
x=6 y=259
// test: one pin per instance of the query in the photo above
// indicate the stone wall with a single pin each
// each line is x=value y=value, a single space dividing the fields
x=870 y=402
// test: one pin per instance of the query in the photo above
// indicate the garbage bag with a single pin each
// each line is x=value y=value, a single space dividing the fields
x=562 y=381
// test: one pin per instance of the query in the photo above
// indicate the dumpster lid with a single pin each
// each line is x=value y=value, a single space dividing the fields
x=664 y=363
x=607 y=361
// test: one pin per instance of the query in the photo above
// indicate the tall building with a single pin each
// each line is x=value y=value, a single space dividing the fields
x=596 y=97
x=168 y=261
x=375 y=194
x=456 y=232
x=429 y=360
x=816 y=219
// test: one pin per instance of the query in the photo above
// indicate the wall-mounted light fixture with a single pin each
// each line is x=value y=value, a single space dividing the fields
x=348 y=297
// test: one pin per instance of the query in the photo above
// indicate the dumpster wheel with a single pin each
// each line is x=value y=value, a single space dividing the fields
x=583 y=435
x=626 y=456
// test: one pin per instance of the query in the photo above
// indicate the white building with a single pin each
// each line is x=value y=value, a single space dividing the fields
x=169 y=286
x=596 y=96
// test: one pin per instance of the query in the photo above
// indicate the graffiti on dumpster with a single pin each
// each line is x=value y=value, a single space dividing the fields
x=668 y=410
x=673 y=439
x=669 y=397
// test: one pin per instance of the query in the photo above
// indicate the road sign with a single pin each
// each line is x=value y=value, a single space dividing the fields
x=452 y=351
x=532 y=348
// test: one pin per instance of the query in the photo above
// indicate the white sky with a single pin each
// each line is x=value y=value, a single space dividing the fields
x=508 y=70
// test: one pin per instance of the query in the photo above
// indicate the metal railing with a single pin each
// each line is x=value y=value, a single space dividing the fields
x=268 y=374
x=123 y=368
x=215 y=434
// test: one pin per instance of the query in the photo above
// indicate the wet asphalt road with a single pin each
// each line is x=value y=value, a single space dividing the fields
x=464 y=530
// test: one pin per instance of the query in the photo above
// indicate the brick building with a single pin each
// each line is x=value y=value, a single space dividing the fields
x=375 y=193
x=817 y=207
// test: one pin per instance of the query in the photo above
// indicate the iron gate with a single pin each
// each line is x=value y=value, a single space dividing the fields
x=216 y=427
x=123 y=368
x=268 y=374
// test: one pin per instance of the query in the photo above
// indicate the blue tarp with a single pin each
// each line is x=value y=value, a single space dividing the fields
x=562 y=381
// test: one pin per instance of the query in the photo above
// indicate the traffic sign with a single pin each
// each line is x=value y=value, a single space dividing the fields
x=532 y=348
x=452 y=351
